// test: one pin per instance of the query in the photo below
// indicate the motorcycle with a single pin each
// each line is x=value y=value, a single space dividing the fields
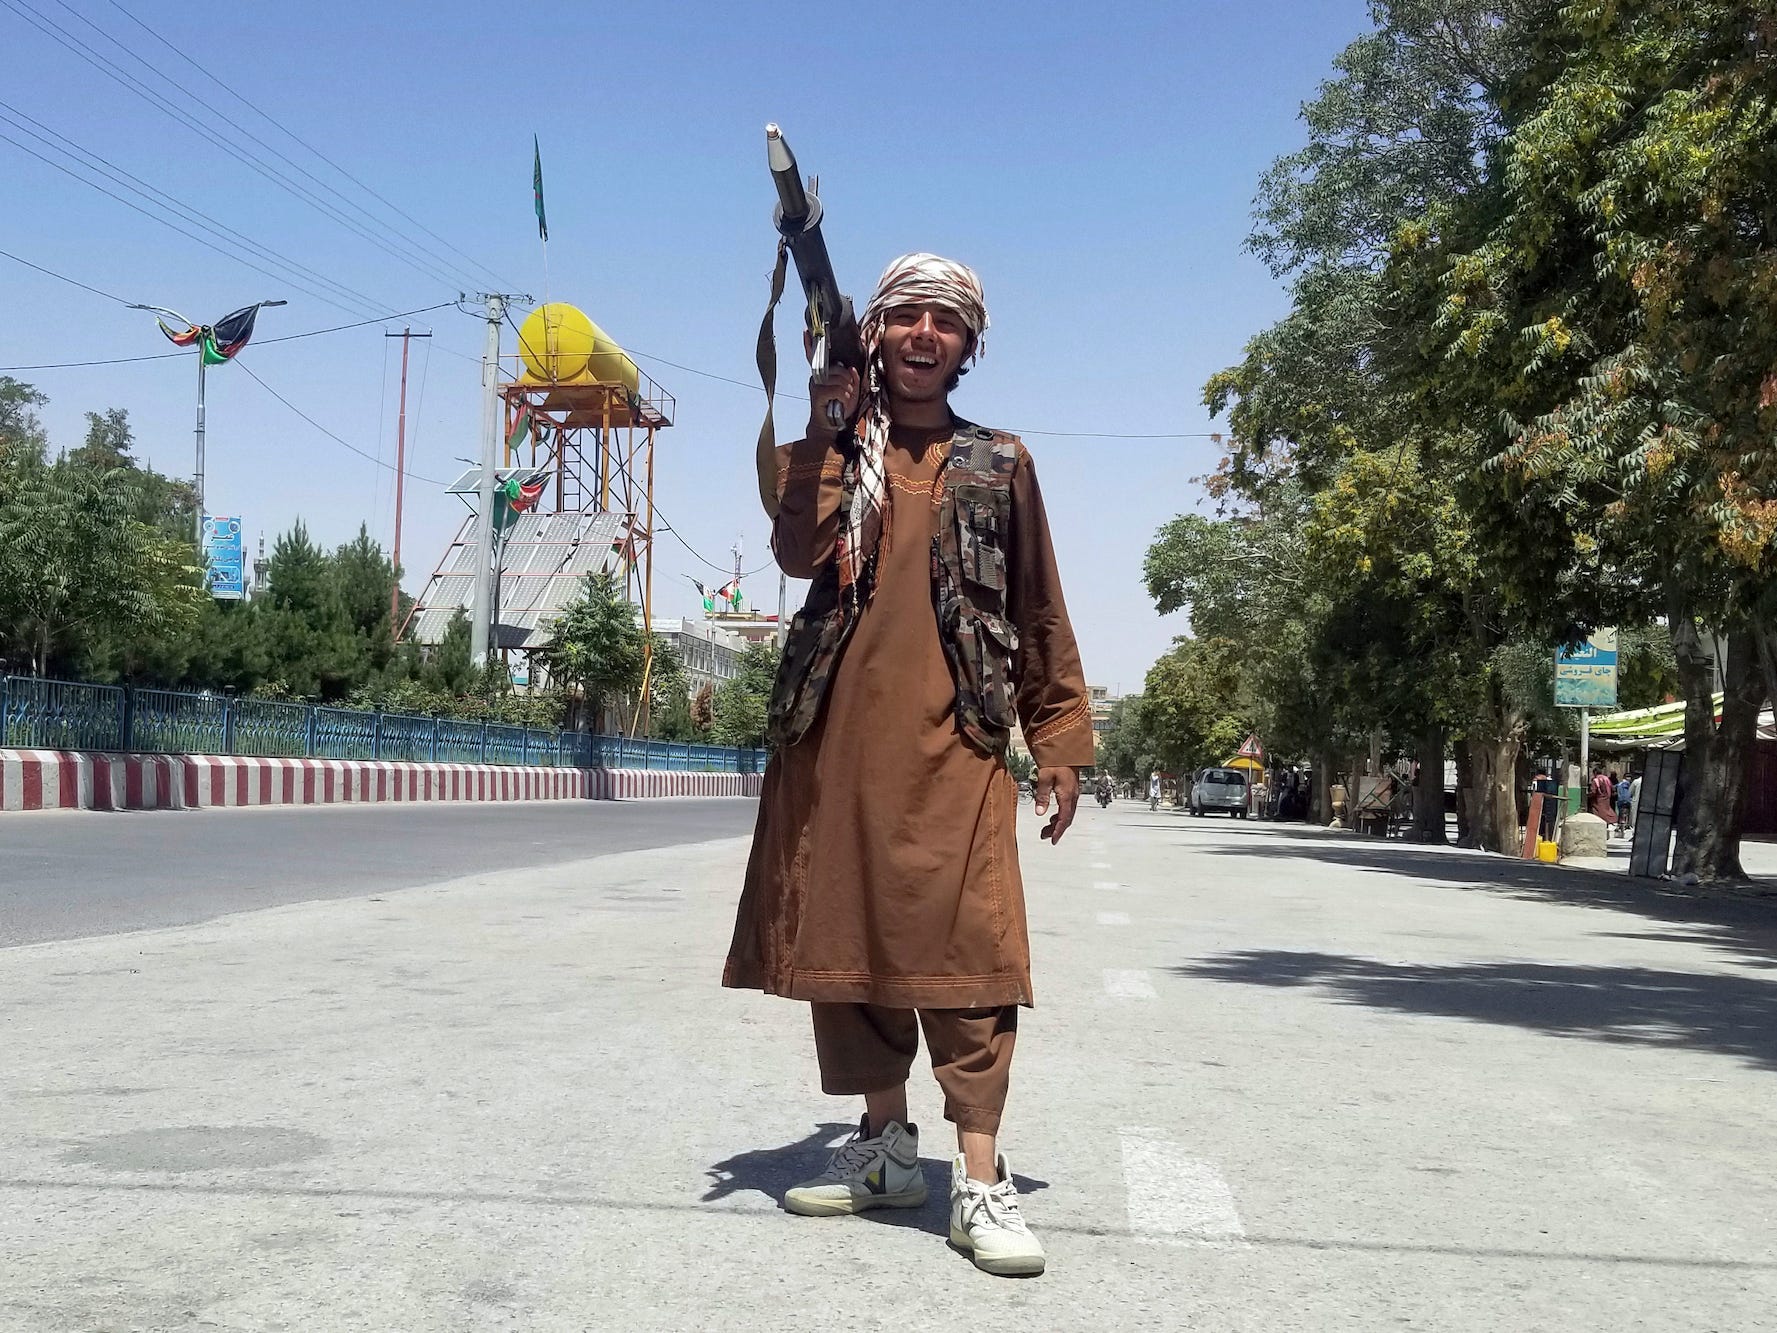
x=1104 y=797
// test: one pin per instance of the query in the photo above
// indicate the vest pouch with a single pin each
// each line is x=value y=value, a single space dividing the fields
x=980 y=515
x=996 y=643
x=981 y=647
x=811 y=652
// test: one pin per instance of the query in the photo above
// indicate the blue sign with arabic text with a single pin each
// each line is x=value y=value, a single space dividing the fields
x=1587 y=676
x=223 y=561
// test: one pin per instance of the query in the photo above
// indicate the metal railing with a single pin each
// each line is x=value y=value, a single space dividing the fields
x=71 y=715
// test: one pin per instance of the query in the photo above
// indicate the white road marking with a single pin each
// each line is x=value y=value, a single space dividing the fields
x=1128 y=984
x=1113 y=918
x=1102 y=884
x=1101 y=865
x=1173 y=1197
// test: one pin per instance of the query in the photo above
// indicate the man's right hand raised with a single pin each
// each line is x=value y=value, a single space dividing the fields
x=839 y=385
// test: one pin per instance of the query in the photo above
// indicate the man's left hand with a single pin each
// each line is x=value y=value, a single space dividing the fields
x=1064 y=785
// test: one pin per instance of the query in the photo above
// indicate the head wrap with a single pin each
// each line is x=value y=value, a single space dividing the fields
x=917 y=279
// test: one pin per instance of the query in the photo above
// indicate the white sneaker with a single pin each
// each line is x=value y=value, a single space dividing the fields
x=985 y=1223
x=880 y=1172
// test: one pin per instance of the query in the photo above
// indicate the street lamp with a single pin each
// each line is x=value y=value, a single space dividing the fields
x=215 y=344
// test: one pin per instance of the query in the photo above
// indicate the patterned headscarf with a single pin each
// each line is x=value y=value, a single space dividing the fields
x=916 y=279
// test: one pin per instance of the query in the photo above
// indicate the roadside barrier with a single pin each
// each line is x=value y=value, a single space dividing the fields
x=96 y=780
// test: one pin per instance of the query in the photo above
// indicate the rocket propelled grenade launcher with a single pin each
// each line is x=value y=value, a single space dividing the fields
x=832 y=325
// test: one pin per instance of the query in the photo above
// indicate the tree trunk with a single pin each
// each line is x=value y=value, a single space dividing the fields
x=1320 y=808
x=1465 y=786
x=1428 y=792
x=1713 y=778
x=1494 y=819
x=1495 y=738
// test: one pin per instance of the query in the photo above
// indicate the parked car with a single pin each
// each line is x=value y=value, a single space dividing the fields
x=1219 y=789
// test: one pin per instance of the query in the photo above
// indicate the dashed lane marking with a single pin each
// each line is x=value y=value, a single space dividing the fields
x=1128 y=984
x=1173 y=1197
x=1103 y=884
x=1113 y=918
x=1101 y=865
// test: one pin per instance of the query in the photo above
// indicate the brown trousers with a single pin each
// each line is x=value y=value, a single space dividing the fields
x=870 y=1048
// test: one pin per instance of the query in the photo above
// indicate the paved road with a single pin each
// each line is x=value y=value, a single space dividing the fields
x=65 y=874
x=1276 y=1080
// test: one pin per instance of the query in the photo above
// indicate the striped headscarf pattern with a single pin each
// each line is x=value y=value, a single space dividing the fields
x=915 y=279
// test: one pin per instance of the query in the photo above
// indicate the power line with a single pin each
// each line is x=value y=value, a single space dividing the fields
x=329 y=434
x=1052 y=434
x=163 y=356
x=72 y=282
x=661 y=519
x=161 y=199
x=173 y=226
x=243 y=130
x=270 y=119
x=117 y=74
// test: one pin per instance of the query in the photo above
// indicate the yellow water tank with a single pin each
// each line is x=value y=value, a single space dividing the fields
x=560 y=344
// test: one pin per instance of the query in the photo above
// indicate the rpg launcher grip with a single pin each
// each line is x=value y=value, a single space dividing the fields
x=831 y=323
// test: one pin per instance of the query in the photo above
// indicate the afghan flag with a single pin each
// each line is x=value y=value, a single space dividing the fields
x=537 y=188
x=216 y=342
x=521 y=432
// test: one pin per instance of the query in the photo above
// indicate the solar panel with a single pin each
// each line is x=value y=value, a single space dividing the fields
x=544 y=561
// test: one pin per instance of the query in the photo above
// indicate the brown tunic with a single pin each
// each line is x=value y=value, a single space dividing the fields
x=884 y=867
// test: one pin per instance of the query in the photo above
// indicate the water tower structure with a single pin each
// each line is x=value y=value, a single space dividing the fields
x=580 y=422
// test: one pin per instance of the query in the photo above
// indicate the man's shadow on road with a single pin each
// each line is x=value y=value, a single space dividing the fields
x=774 y=1171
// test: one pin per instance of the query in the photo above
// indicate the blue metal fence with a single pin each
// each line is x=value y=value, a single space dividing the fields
x=70 y=715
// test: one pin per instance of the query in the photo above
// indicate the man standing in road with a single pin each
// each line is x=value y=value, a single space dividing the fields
x=884 y=886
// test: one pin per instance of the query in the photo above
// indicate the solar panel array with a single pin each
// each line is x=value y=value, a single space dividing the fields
x=544 y=563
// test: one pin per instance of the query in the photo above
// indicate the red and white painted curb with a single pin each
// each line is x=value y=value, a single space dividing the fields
x=78 y=780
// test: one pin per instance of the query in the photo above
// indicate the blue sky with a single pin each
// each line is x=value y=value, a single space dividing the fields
x=1095 y=163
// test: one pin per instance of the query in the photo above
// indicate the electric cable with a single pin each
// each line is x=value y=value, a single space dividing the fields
x=244 y=131
x=63 y=277
x=430 y=481
x=160 y=198
x=1052 y=434
x=117 y=74
x=164 y=356
x=662 y=521
x=189 y=235
x=270 y=119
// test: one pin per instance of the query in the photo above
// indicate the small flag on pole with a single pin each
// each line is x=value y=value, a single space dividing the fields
x=537 y=187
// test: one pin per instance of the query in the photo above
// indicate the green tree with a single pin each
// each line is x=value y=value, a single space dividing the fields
x=596 y=651
x=1191 y=706
x=75 y=561
x=741 y=706
x=1616 y=303
x=21 y=433
x=669 y=696
x=108 y=441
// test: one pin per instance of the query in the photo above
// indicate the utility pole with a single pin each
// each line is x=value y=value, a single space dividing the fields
x=481 y=627
x=198 y=477
x=406 y=336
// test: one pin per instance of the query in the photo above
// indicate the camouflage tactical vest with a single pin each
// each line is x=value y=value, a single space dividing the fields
x=969 y=597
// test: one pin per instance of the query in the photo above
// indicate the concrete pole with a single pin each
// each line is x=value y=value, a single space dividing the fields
x=400 y=478
x=198 y=477
x=480 y=630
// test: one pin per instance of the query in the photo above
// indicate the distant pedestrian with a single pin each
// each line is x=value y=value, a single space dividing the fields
x=1602 y=796
x=1623 y=792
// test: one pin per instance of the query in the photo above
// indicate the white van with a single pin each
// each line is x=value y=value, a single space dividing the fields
x=1219 y=789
